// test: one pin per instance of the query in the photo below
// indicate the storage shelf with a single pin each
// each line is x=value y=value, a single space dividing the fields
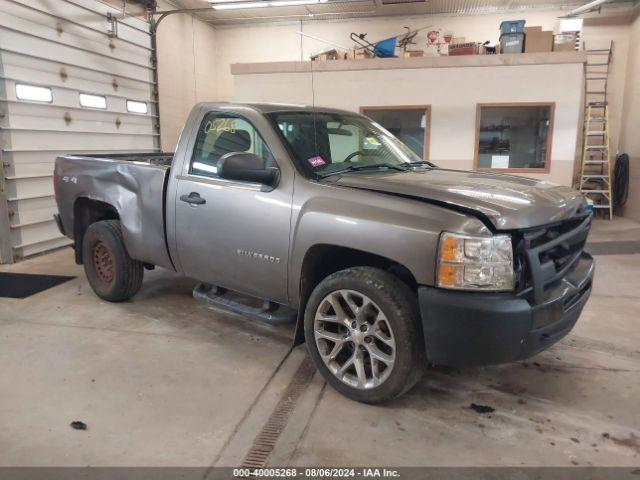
x=509 y=59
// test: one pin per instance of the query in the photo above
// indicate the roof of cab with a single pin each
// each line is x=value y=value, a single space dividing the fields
x=276 y=107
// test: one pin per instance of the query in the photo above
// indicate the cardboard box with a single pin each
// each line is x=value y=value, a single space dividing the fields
x=470 y=48
x=541 y=41
x=361 y=53
x=532 y=29
x=328 y=55
x=564 y=42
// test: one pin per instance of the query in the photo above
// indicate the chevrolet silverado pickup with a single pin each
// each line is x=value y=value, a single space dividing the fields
x=386 y=262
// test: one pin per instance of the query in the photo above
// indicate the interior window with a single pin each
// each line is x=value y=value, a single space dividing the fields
x=514 y=137
x=222 y=133
x=409 y=124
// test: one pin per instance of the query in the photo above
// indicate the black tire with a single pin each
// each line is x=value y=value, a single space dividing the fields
x=399 y=304
x=113 y=275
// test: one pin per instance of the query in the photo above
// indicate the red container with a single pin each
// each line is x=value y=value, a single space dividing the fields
x=463 y=49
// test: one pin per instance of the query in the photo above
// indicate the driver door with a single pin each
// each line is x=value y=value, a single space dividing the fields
x=232 y=234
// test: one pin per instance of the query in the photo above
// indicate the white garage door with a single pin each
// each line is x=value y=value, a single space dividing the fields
x=68 y=84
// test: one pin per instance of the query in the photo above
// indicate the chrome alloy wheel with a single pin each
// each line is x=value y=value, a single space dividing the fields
x=354 y=339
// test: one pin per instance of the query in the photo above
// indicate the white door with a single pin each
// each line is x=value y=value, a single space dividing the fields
x=66 y=86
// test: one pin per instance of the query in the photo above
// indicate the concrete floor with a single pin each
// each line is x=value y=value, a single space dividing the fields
x=163 y=381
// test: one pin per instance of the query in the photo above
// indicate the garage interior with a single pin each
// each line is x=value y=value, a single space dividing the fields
x=163 y=381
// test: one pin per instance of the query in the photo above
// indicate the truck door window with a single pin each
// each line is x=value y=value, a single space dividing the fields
x=222 y=133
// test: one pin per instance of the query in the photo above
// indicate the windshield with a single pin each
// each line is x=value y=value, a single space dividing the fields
x=326 y=143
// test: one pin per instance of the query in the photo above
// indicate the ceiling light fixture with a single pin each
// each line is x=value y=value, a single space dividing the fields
x=291 y=3
x=588 y=7
x=231 y=5
x=239 y=5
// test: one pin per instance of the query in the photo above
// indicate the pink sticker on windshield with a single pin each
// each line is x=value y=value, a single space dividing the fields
x=316 y=162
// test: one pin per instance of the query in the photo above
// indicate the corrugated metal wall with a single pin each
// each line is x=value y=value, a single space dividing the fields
x=65 y=46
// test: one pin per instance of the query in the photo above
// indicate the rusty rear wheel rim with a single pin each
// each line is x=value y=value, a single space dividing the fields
x=103 y=262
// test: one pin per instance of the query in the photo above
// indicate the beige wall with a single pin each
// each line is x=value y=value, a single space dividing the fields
x=452 y=93
x=186 y=70
x=195 y=59
x=280 y=42
x=629 y=138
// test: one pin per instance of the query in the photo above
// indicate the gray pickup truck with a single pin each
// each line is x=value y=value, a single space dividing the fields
x=386 y=262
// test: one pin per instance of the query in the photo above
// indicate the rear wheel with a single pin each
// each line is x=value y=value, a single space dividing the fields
x=362 y=333
x=113 y=275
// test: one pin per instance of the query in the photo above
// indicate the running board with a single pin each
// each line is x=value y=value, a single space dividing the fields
x=270 y=312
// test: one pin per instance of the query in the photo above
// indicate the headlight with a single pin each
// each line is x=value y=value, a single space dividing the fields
x=475 y=263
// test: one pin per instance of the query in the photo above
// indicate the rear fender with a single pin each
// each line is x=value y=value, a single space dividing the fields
x=134 y=192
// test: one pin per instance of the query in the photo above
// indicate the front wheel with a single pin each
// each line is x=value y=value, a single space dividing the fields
x=362 y=333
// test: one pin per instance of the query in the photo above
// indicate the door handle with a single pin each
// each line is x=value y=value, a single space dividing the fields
x=193 y=198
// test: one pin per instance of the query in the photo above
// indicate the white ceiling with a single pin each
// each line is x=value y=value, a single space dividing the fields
x=336 y=9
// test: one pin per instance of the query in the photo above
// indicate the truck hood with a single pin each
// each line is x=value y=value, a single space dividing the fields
x=507 y=201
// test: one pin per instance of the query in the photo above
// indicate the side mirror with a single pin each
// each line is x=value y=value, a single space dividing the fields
x=246 y=167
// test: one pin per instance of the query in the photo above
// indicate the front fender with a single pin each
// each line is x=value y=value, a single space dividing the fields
x=402 y=230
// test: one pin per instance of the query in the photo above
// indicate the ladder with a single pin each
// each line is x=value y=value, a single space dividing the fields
x=595 y=175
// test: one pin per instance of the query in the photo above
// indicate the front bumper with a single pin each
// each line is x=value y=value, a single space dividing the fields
x=469 y=328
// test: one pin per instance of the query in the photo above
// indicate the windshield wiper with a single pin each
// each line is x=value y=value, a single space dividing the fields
x=372 y=166
x=421 y=162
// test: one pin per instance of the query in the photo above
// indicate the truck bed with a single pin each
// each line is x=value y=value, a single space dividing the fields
x=133 y=183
